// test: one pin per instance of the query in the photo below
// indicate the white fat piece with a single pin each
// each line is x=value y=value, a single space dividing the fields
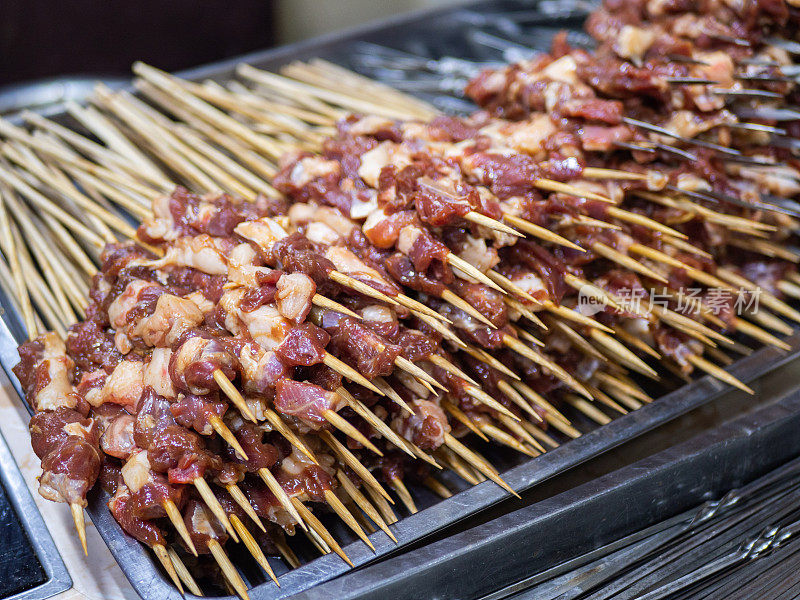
x=320 y=233
x=408 y=236
x=58 y=392
x=293 y=296
x=310 y=168
x=125 y=385
x=173 y=315
x=264 y=232
x=118 y=309
x=202 y=252
x=373 y=161
x=264 y=324
x=136 y=471
x=156 y=373
x=478 y=254
x=349 y=264
x=633 y=42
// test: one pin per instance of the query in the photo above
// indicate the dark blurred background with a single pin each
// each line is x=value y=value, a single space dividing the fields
x=42 y=39
x=48 y=38
x=55 y=50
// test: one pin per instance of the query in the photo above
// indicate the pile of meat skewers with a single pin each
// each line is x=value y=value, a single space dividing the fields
x=406 y=283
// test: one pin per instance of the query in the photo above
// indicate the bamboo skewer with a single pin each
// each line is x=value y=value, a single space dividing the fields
x=183 y=573
x=227 y=568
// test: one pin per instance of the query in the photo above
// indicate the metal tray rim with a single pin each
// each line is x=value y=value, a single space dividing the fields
x=58 y=578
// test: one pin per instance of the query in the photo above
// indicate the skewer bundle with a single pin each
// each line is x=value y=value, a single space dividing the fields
x=380 y=285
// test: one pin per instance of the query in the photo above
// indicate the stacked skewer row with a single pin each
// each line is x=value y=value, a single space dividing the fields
x=348 y=284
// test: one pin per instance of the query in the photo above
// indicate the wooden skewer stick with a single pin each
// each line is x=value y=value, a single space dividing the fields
x=588 y=409
x=622 y=385
x=349 y=430
x=526 y=335
x=523 y=310
x=484 y=467
x=443 y=330
x=8 y=246
x=621 y=354
x=483 y=356
x=80 y=524
x=226 y=434
x=604 y=398
x=409 y=367
x=349 y=372
x=213 y=504
x=451 y=298
x=480 y=219
x=514 y=344
x=323 y=302
x=718 y=373
x=175 y=517
x=511 y=287
x=277 y=423
x=364 y=504
x=116 y=141
x=41 y=294
x=44 y=204
x=320 y=530
x=538 y=400
x=437 y=487
x=383 y=506
x=233 y=394
x=463 y=418
x=637 y=219
x=540 y=435
x=405 y=496
x=337 y=98
x=577 y=340
x=579 y=318
x=183 y=573
x=635 y=342
x=227 y=568
x=765 y=297
x=567 y=430
x=417 y=307
x=517 y=429
x=50 y=149
x=508 y=390
x=468 y=271
x=239 y=497
x=252 y=546
x=163 y=557
x=767 y=319
x=600 y=173
x=484 y=398
x=392 y=394
x=626 y=261
x=570 y=190
x=375 y=422
x=443 y=363
x=505 y=439
x=459 y=467
x=759 y=334
x=346 y=516
x=286 y=552
x=344 y=453
x=541 y=232
x=280 y=494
